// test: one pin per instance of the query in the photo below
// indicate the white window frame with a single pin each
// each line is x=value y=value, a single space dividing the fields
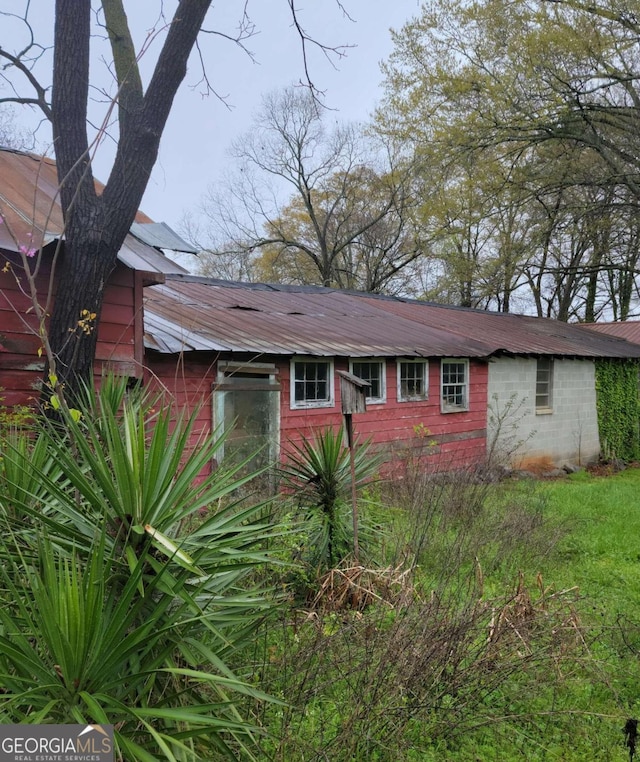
x=413 y=397
x=380 y=362
x=449 y=407
x=548 y=395
x=306 y=404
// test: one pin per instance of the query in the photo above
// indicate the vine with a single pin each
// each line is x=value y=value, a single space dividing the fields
x=618 y=405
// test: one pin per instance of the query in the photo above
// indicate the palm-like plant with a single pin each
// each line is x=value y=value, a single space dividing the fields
x=318 y=473
x=120 y=602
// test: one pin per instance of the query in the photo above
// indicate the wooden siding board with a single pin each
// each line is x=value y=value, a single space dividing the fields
x=138 y=319
x=20 y=344
x=117 y=334
x=19 y=329
x=114 y=353
x=10 y=361
x=392 y=424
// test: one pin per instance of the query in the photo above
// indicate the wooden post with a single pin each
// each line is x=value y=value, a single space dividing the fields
x=348 y=422
x=353 y=393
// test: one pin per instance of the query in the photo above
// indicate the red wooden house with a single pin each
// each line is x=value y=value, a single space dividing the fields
x=32 y=232
x=263 y=359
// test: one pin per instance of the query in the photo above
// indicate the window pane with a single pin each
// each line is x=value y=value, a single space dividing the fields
x=371 y=372
x=453 y=373
x=412 y=380
x=454 y=395
x=544 y=375
x=311 y=382
x=251 y=423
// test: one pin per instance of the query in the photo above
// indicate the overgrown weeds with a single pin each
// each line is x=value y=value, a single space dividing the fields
x=414 y=673
x=356 y=588
x=456 y=633
x=491 y=620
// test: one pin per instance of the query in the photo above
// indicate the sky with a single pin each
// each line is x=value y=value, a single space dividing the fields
x=196 y=140
x=194 y=149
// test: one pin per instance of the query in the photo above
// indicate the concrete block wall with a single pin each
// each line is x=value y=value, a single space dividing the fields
x=568 y=432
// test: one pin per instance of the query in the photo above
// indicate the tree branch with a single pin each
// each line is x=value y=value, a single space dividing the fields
x=69 y=101
x=328 y=51
x=130 y=92
x=41 y=93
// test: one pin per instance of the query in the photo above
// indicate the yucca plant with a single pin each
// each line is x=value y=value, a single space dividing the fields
x=124 y=572
x=318 y=475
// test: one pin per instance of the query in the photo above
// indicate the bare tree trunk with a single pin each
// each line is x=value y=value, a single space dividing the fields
x=96 y=225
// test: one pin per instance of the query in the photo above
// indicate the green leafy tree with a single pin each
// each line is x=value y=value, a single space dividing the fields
x=540 y=100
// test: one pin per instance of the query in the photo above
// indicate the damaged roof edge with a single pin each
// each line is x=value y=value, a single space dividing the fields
x=161 y=236
x=31 y=216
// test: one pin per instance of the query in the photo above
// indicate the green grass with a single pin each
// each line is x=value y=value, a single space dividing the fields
x=559 y=684
x=601 y=553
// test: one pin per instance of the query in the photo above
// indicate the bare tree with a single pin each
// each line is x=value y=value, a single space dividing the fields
x=11 y=134
x=96 y=223
x=346 y=221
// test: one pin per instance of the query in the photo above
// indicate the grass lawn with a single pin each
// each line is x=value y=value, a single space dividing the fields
x=601 y=552
x=598 y=554
x=523 y=642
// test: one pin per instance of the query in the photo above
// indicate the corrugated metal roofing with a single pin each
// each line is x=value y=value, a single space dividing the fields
x=188 y=313
x=30 y=212
x=160 y=235
x=627 y=329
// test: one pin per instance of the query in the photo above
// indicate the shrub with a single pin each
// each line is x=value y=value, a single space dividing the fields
x=12 y=417
x=123 y=580
x=318 y=475
x=618 y=408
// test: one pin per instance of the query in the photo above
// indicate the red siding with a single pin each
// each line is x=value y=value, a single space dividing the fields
x=393 y=426
x=188 y=384
x=21 y=367
x=453 y=439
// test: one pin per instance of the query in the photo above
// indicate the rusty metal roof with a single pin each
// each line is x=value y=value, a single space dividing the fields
x=626 y=329
x=188 y=313
x=30 y=214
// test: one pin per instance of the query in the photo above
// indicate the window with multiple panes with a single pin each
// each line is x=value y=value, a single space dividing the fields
x=373 y=372
x=412 y=380
x=311 y=383
x=454 y=392
x=544 y=384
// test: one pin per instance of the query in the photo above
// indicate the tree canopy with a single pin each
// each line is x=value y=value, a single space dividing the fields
x=531 y=109
x=346 y=222
x=512 y=184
